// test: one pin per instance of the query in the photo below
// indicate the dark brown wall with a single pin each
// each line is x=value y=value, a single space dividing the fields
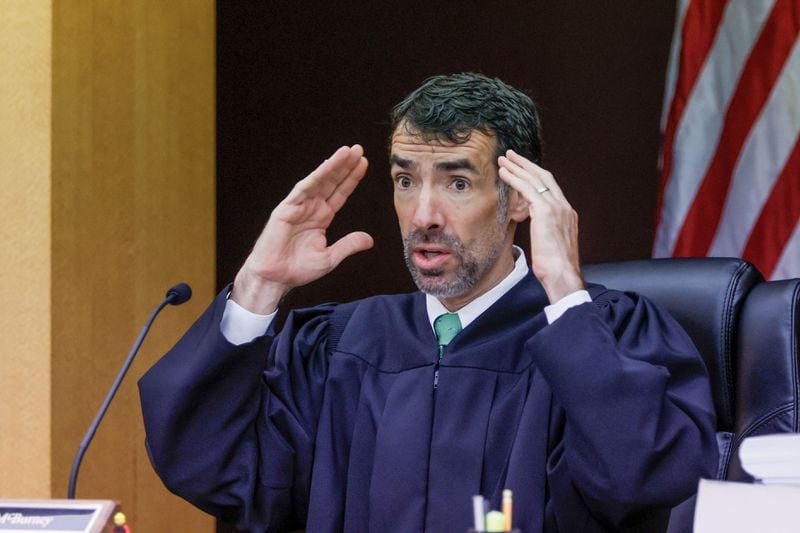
x=296 y=80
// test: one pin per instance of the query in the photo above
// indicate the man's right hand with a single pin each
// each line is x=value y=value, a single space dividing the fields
x=293 y=250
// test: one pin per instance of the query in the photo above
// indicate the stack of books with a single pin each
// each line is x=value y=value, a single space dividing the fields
x=772 y=459
x=769 y=505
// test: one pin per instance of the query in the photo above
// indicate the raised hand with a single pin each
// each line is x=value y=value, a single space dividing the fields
x=554 y=225
x=293 y=249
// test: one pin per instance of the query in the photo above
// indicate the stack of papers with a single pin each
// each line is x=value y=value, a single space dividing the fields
x=769 y=504
x=746 y=508
x=772 y=459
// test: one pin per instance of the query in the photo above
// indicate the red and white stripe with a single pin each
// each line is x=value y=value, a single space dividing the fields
x=731 y=121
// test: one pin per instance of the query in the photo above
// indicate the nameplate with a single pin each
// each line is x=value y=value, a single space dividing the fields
x=56 y=516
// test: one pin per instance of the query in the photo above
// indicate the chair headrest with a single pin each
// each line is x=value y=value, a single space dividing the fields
x=705 y=296
x=769 y=380
x=768 y=377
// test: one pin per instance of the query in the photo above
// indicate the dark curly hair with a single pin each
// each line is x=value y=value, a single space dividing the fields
x=450 y=107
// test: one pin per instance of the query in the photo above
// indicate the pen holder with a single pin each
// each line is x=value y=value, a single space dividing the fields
x=515 y=530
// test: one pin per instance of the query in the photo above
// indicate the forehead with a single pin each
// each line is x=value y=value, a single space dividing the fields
x=479 y=148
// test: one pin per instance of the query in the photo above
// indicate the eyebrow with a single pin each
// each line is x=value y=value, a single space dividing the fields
x=405 y=164
x=456 y=164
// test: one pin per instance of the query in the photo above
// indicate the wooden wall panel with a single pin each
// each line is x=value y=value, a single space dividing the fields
x=25 y=248
x=133 y=213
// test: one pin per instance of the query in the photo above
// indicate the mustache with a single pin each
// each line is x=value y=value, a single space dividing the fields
x=418 y=236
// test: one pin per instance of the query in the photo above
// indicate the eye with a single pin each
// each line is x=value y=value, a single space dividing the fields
x=403 y=182
x=460 y=184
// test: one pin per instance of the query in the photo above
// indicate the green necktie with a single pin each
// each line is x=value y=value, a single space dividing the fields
x=446 y=326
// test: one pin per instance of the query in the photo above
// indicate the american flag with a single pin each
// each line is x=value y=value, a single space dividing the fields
x=731 y=157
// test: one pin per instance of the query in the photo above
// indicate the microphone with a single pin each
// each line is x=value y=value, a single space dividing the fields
x=179 y=294
x=176 y=295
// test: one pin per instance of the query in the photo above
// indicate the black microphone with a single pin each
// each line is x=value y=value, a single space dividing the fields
x=179 y=294
x=176 y=295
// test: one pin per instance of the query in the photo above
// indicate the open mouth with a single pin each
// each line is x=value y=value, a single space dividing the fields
x=430 y=259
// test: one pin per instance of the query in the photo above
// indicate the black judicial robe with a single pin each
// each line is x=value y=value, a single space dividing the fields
x=598 y=422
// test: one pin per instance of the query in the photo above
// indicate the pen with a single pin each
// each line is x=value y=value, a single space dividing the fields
x=508 y=503
x=478 y=513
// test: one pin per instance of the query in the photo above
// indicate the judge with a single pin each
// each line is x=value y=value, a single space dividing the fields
x=503 y=372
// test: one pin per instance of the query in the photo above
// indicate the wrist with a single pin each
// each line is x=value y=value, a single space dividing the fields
x=564 y=283
x=256 y=294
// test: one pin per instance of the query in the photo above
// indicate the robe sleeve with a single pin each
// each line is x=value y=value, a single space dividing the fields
x=231 y=428
x=634 y=408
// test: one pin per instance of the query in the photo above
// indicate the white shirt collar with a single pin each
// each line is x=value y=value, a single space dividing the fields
x=476 y=307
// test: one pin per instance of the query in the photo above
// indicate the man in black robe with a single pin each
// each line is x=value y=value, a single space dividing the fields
x=591 y=405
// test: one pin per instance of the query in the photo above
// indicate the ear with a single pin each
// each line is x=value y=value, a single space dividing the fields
x=518 y=207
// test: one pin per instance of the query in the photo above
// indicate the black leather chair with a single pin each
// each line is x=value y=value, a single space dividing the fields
x=767 y=373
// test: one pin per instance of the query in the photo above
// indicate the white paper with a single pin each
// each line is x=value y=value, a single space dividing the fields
x=746 y=508
x=772 y=458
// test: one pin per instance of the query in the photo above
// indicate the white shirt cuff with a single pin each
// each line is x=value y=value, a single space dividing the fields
x=554 y=311
x=240 y=326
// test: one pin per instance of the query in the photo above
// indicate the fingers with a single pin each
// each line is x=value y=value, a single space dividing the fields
x=325 y=179
x=350 y=244
x=545 y=177
x=528 y=178
x=340 y=195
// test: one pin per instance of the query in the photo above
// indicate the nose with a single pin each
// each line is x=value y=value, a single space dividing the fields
x=428 y=213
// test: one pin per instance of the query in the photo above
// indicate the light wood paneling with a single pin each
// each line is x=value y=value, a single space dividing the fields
x=133 y=213
x=108 y=198
x=25 y=248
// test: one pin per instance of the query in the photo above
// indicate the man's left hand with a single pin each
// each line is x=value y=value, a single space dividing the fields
x=554 y=225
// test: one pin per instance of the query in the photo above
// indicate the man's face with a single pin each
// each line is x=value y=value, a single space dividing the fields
x=457 y=239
